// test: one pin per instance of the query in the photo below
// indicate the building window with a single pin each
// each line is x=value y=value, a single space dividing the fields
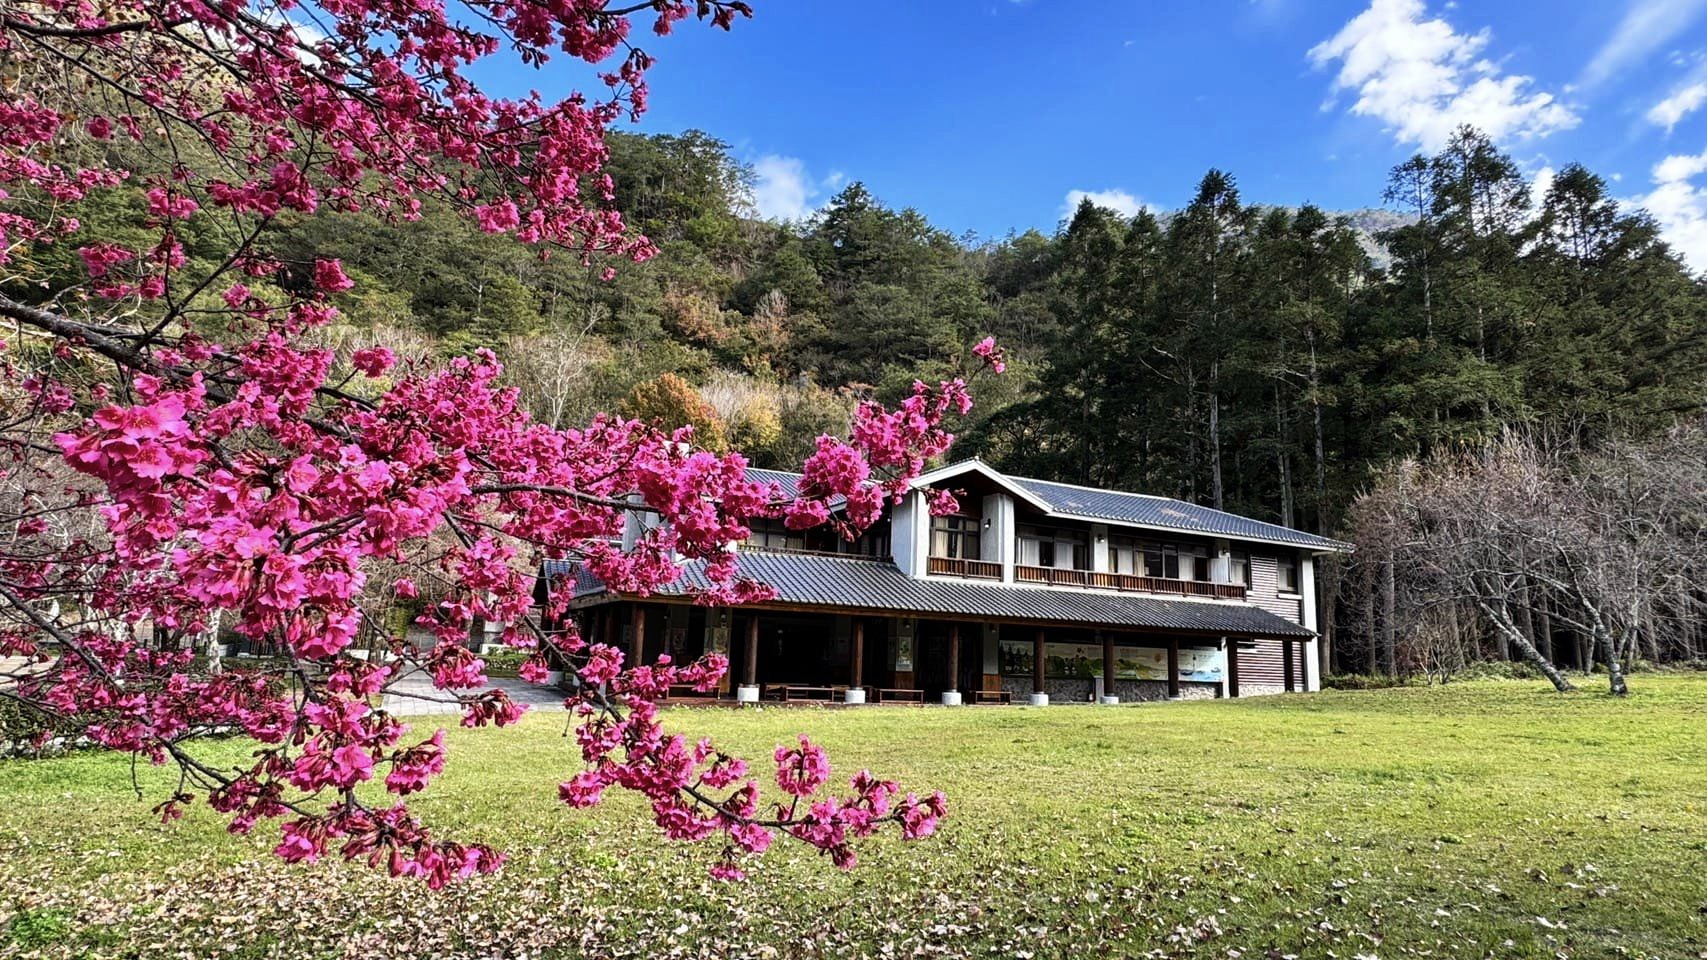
x=1161 y=560
x=874 y=542
x=1239 y=567
x=1125 y=555
x=1286 y=574
x=955 y=538
x=1055 y=548
x=774 y=535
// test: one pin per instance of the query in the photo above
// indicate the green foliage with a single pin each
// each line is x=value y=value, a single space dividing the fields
x=1268 y=360
x=35 y=929
x=503 y=663
x=20 y=724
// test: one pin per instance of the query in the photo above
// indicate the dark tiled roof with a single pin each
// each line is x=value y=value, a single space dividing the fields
x=790 y=483
x=861 y=583
x=1137 y=508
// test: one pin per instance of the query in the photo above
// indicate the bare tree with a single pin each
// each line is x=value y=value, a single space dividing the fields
x=1612 y=545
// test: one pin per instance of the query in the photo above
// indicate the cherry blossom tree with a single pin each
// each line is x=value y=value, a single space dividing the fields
x=180 y=447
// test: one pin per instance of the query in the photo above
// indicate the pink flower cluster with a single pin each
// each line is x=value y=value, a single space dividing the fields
x=239 y=486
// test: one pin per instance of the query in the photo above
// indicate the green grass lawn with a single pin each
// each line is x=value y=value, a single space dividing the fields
x=1487 y=819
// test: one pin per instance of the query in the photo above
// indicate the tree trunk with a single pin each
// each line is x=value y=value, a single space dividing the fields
x=1215 y=491
x=1283 y=461
x=1525 y=618
x=1500 y=616
x=1614 y=665
x=1320 y=444
x=1544 y=637
x=1389 y=612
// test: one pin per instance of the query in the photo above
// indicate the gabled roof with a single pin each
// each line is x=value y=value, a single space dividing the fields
x=859 y=583
x=1068 y=501
x=1165 y=513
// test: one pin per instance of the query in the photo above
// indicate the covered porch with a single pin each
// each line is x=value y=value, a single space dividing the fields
x=787 y=655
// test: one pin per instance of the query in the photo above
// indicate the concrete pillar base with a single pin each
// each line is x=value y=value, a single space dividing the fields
x=951 y=698
x=746 y=694
x=1109 y=701
x=1040 y=699
x=854 y=695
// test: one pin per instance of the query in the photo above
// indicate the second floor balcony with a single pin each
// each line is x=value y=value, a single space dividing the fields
x=1131 y=582
x=956 y=567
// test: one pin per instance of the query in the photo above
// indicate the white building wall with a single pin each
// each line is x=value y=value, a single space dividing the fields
x=910 y=533
x=901 y=538
x=1312 y=650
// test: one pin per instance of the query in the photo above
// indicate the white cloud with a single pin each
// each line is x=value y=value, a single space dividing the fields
x=781 y=190
x=1422 y=78
x=1647 y=25
x=1119 y=201
x=1680 y=205
x=1682 y=102
x=1540 y=184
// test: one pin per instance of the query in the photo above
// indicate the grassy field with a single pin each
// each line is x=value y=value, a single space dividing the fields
x=1489 y=819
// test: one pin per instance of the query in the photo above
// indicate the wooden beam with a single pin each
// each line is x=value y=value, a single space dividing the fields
x=857 y=678
x=750 y=656
x=1232 y=666
x=1037 y=664
x=1286 y=664
x=1108 y=664
x=637 y=643
x=1173 y=667
x=829 y=609
x=954 y=656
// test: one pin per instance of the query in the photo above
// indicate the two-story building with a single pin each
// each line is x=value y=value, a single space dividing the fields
x=1034 y=591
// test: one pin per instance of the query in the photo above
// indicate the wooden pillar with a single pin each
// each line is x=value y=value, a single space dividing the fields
x=750 y=668
x=1286 y=664
x=954 y=656
x=637 y=643
x=1037 y=664
x=607 y=625
x=857 y=673
x=1303 y=666
x=1232 y=666
x=1108 y=664
x=1173 y=667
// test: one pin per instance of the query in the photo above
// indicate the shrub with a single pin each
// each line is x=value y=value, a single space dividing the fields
x=504 y=663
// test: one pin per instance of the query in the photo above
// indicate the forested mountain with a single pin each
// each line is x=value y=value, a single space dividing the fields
x=1257 y=358
x=1267 y=360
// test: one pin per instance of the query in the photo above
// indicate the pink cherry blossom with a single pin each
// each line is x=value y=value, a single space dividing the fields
x=240 y=483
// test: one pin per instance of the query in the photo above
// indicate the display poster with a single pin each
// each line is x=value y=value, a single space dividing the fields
x=1084 y=661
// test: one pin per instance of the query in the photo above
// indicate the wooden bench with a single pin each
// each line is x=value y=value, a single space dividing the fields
x=991 y=696
x=685 y=691
x=887 y=695
x=794 y=692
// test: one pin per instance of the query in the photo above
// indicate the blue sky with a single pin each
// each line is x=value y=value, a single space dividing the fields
x=990 y=114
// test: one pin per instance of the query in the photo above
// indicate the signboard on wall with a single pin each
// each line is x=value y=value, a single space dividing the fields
x=1084 y=661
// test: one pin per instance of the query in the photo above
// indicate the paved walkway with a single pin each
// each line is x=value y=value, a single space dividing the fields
x=413 y=695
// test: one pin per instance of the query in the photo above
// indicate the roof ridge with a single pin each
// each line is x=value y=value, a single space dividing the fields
x=1124 y=493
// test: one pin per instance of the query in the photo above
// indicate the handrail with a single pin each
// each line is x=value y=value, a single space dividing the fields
x=1129 y=582
x=956 y=567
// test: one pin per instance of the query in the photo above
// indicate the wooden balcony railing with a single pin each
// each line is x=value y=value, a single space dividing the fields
x=976 y=569
x=1129 y=582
